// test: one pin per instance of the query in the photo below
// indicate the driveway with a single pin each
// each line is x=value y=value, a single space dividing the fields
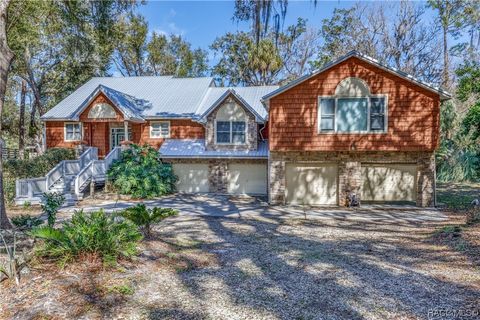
x=227 y=258
x=232 y=206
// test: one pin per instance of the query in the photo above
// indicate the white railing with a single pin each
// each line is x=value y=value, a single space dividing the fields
x=32 y=186
x=95 y=169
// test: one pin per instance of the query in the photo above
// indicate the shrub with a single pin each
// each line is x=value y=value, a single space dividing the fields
x=52 y=202
x=144 y=218
x=88 y=236
x=26 y=221
x=32 y=168
x=141 y=174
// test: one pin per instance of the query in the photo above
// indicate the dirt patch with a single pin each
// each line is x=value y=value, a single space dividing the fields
x=200 y=267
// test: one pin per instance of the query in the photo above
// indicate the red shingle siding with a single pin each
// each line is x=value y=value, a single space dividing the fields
x=55 y=132
x=413 y=113
x=179 y=129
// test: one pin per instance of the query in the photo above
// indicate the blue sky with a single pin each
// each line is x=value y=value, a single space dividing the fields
x=200 y=22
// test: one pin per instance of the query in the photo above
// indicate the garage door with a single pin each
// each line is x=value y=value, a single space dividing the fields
x=192 y=177
x=389 y=182
x=311 y=184
x=247 y=179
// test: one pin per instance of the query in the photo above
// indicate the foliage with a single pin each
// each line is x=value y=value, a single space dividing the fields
x=31 y=168
x=26 y=221
x=144 y=218
x=469 y=80
x=13 y=266
x=407 y=40
x=51 y=203
x=458 y=159
x=471 y=122
x=141 y=174
x=136 y=55
x=88 y=236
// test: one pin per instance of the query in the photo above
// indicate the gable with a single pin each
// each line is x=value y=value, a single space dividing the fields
x=361 y=59
x=101 y=109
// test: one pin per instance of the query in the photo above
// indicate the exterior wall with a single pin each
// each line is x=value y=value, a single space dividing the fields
x=251 y=138
x=349 y=167
x=413 y=114
x=55 y=135
x=101 y=98
x=179 y=129
x=217 y=170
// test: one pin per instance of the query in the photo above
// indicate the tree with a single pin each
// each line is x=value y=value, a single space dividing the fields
x=6 y=56
x=136 y=55
x=260 y=13
x=449 y=15
x=243 y=62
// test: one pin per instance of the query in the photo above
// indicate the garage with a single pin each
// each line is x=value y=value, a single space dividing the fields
x=192 y=177
x=311 y=184
x=389 y=182
x=247 y=178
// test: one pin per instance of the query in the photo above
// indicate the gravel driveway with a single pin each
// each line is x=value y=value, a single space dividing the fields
x=257 y=262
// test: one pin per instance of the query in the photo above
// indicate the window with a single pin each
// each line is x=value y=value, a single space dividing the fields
x=230 y=132
x=73 y=132
x=363 y=114
x=160 y=129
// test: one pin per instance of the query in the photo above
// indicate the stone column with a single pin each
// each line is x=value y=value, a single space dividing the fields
x=276 y=176
x=217 y=176
x=349 y=180
x=426 y=180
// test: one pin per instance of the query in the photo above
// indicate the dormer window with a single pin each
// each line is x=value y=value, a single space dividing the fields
x=230 y=132
x=353 y=109
x=230 y=124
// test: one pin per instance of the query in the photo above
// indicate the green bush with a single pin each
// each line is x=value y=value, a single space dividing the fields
x=94 y=235
x=32 y=168
x=144 y=218
x=26 y=221
x=141 y=174
x=51 y=203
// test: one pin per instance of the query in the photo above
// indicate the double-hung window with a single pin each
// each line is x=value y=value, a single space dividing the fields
x=352 y=114
x=160 y=129
x=230 y=132
x=73 y=131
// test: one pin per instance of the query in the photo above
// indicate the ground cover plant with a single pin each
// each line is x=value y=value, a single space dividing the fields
x=140 y=173
x=89 y=236
x=144 y=218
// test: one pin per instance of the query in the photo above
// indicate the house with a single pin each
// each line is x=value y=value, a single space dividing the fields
x=354 y=126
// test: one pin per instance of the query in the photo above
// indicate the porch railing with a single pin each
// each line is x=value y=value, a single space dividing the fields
x=96 y=169
x=34 y=186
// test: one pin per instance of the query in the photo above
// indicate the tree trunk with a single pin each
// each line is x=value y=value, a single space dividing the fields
x=446 y=62
x=6 y=56
x=32 y=129
x=21 y=122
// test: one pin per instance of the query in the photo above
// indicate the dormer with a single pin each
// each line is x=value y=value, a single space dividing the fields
x=231 y=124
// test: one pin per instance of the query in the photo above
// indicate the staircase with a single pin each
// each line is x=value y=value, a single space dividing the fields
x=70 y=178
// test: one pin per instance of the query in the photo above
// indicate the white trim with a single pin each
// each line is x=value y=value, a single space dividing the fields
x=160 y=136
x=231 y=133
x=368 y=131
x=65 y=131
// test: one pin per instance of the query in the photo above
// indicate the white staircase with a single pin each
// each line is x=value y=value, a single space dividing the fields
x=69 y=177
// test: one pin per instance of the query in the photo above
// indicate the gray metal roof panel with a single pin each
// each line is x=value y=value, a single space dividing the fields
x=168 y=96
x=195 y=148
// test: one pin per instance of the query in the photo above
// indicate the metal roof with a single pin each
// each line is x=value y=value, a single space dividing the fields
x=444 y=95
x=167 y=96
x=250 y=96
x=185 y=148
x=157 y=97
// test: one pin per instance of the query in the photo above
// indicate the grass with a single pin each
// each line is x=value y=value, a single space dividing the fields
x=457 y=196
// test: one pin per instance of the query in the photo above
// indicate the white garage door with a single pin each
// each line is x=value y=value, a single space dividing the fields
x=311 y=184
x=192 y=177
x=389 y=182
x=247 y=178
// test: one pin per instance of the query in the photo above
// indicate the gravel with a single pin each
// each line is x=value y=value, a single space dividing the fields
x=263 y=267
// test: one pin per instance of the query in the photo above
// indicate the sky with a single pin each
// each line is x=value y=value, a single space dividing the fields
x=201 y=22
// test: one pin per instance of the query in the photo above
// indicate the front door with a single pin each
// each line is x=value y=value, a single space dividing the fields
x=117 y=135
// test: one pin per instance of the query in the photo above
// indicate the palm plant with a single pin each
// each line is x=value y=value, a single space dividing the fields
x=88 y=235
x=145 y=218
x=12 y=268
